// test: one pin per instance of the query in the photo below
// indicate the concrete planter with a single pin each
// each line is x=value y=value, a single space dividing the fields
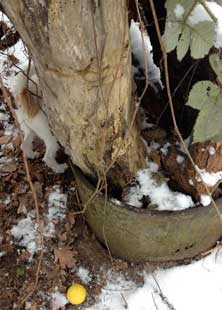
x=140 y=235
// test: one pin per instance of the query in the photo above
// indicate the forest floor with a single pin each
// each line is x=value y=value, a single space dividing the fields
x=70 y=252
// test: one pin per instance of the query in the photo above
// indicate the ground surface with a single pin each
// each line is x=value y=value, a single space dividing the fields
x=67 y=248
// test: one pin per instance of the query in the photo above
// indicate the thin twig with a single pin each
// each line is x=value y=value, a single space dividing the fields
x=162 y=296
x=177 y=87
x=124 y=301
x=209 y=12
x=154 y=302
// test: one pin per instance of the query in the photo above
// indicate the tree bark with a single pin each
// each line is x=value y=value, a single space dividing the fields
x=82 y=55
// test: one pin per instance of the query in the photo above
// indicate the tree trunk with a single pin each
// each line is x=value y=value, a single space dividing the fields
x=82 y=55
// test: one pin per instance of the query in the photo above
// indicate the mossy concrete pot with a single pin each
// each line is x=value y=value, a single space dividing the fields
x=140 y=235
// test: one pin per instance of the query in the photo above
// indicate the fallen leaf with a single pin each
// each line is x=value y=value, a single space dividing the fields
x=22 y=205
x=65 y=257
x=25 y=256
x=33 y=306
x=62 y=236
x=5 y=139
x=8 y=167
x=13 y=59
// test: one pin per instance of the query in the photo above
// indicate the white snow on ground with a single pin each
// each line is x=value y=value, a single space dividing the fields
x=84 y=275
x=152 y=146
x=158 y=192
x=58 y=300
x=210 y=179
x=179 y=159
x=205 y=200
x=2 y=253
x=142 y=49
x=3 y=116
x=211 y=150
x=56 y=204
x=190 y=181
x=5 y=19
x=191 y=287
x=26 y=231
x=165 y=147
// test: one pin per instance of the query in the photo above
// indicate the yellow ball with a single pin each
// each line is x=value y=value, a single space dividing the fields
x=76 y=294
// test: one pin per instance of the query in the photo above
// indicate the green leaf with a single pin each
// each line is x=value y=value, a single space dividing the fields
x=170 y=6
x=207 y=97
x=202 y=94
x=20 y=272
x=216 y=65
x=183 y=44
x=208 y=125
x=180 y=33
x=171 y=35
x=202 y=39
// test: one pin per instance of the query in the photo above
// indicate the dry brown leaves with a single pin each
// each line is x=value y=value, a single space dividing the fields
x=184 y=173
x=66 y=257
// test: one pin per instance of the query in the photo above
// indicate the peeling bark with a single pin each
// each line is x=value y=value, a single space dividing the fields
x=82 y=56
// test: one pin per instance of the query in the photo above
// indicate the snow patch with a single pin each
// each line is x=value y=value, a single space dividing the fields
x=2 y=253
x=116 y=201
x=194 y=286
x=142 y=49
x=152 y=146
x=84 y=275
x=209 y=179
x=4 y=116
x=199 y=14
x=164 y=149
x=179 y=159
x=56 y=205
x=179 y=11
x=205 y=200
x=26 y=231
x=190 y=181
x=58 y=300
x=211 y=150
x=159 y=193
